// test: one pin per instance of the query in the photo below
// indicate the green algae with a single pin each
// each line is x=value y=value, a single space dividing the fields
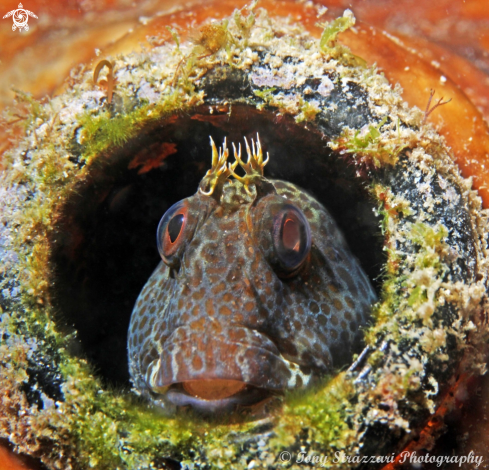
x=323 y=412
x=307 y=111
x=371 y=146
x=105 y=132
x=245 y=23
x=32 y=109
x=266 y=94
x=328 y=42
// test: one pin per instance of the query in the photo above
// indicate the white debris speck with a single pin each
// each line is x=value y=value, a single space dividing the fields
x=321 y=11
x=147 y=92
x=325 y=87
x=46 y=401
x=266 y=77
x=450 y=195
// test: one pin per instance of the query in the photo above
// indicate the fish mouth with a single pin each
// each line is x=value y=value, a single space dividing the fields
x=220 y=372
x=210 y=396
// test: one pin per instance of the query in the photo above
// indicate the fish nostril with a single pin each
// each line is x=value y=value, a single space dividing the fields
x=213 y=389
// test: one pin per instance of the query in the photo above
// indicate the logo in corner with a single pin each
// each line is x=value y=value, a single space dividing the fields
x=20 y=17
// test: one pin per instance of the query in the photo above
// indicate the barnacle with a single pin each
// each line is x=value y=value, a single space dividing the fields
x=66 y=250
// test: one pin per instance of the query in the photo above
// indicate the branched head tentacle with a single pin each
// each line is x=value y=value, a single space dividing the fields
x=213 y=181
x=254 y=165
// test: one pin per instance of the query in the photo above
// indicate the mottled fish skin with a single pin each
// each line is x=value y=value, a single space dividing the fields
x=227 y=312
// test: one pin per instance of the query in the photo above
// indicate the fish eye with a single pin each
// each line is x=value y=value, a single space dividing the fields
x=291 y=237
x=172 y=233
x=175 y=226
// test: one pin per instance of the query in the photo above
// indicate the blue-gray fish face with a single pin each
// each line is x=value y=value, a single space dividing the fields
x=257 y=293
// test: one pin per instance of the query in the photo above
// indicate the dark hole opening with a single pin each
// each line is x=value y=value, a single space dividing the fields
x=104 y=248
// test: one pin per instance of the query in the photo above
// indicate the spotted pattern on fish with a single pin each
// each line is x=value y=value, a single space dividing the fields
x=224 y=309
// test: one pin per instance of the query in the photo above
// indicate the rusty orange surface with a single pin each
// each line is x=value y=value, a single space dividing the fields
x=11 y=461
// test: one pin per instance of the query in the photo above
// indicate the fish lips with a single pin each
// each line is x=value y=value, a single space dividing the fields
x=242 y=359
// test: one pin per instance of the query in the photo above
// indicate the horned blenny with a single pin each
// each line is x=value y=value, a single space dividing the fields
x=257 y=292
x=84 y=183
